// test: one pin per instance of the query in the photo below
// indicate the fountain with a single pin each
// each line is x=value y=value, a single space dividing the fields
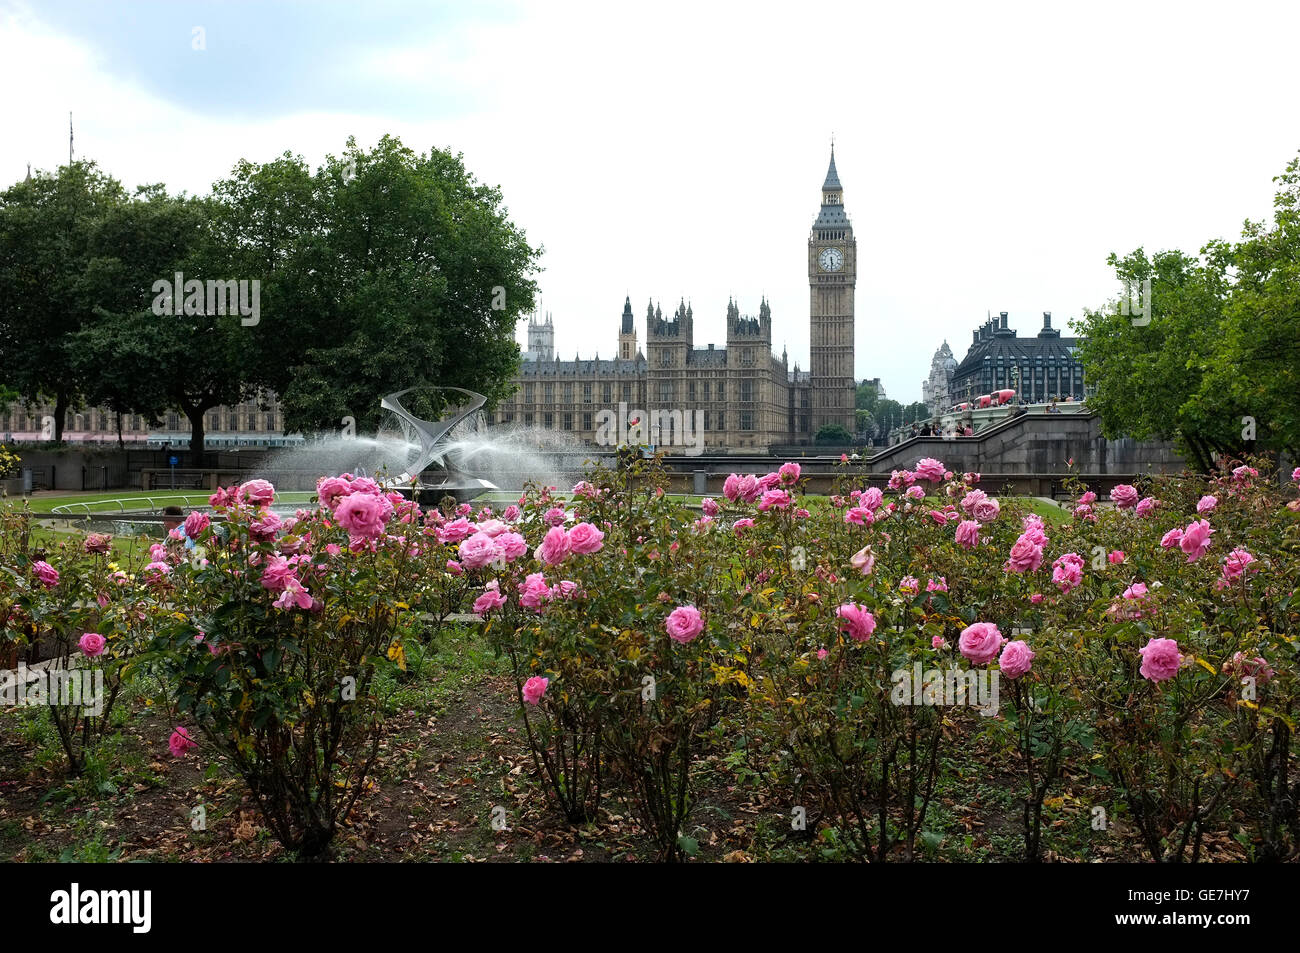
x=429 y=474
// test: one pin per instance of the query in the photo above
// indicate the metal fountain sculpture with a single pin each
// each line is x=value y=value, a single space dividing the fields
x=430 y=448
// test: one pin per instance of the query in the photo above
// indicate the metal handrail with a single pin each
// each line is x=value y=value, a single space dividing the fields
x=155 y=504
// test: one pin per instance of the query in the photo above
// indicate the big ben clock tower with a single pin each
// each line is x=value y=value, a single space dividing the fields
x=832 y=276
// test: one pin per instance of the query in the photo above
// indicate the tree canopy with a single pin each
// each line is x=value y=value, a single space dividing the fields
x=382 y=270
x=1216 y=369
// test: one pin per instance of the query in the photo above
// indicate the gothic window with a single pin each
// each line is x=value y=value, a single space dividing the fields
x=568 y=391
x=586 y=392
x=627 y=392
x=548 y=392
x=528 y=393
x=528 y=420
x=690 y=391
x=568 y=421
x=666 y=391
x=746 y=392
x=746 y=420
x=608 y=391
x=586 y=420
x=548 y=421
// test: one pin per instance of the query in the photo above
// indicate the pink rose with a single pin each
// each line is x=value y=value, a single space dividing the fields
x=986 y=510
x=454 y=531
x=774 y=499
x=1124 y=496
x=1146 y=506
x=980 y=642
x=258 y=492
x=1171 y=538
x=1116 y=557
x=731 y=488
x=789 y=473
x=1067 y=572
x=864 y=560
x=180 y=742
x=47 y=574
x=534 y=593
x=585 y=538
x=265 y=527
x=871 y=498
x=478 y=551
x=363 y=515
x=512 y=546
x=1036 y=598
x=1196 y=540
x=554 y=548
x=1206 y=505
x=1088 y=498
x=97 y=543
x=1026 y=556
x=1160 y=659
x=91 y=644
x=856 y=621
x=1237 y=563
x=196 y=523
x=930 y=470
x=743 y=523
x=555 y=516
x=535 y=688
x=968 y=534
x=710 y=506
x=1016 y=659
x=684 y=623
x=332 y=490
x=488 y=602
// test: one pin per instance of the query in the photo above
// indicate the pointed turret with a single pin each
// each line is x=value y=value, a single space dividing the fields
x=832 y=182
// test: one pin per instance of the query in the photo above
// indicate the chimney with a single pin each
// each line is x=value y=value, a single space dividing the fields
x=975 y=336
x=1047 y=320
x=1003 y=316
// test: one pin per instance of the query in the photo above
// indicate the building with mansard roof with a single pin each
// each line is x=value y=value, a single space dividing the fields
x=1040 y=369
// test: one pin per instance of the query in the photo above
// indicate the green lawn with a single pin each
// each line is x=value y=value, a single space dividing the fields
x=138 y=500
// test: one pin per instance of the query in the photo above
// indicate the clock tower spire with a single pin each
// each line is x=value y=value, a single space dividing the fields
x=832 y=278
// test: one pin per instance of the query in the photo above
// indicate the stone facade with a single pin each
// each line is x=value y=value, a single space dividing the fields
x=935 y=388
x=742 y=396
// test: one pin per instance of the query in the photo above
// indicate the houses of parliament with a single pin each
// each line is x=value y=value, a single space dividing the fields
x=746 y=398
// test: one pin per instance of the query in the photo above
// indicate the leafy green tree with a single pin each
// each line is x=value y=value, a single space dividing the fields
x=917 y=410
x=833 y=434
x=1215 y=369
x=1257 y=366
x=49 y=231
x=381 y=271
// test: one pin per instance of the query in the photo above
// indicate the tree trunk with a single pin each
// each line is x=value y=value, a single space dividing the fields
x=121 y=444
x=60 y=413
x=197 y=435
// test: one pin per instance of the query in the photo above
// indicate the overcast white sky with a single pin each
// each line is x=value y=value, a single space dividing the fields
x=992 y=154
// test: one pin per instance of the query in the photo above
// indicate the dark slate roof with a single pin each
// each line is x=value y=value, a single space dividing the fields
x=610 y=366
x=831 y=216
x=627 y=316
x=1015 y=350
x=832 y=177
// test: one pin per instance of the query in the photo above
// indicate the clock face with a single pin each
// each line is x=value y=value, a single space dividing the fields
x=831 y=259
